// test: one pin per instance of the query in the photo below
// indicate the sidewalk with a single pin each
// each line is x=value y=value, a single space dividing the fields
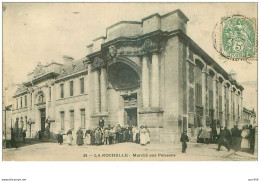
x=44 y=151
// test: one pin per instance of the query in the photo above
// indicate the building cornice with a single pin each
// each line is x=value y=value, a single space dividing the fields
x=71 y=75
x=159 y=33
x=41 y=78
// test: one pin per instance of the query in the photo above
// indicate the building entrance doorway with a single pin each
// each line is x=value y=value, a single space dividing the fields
x=43 y=118
x=131 y=117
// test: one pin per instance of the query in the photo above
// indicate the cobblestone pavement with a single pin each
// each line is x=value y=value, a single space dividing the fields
x=48 y=151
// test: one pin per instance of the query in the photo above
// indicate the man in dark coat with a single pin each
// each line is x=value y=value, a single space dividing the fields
x=184 y=140
x=24 y=135
x=60 y=138
x=92 y=137
x=224 y=138
x=101 y=122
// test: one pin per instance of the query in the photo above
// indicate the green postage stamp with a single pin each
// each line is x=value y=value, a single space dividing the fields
x=238 y=38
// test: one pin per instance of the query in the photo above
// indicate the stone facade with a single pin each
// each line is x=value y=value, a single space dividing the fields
x=142 y=73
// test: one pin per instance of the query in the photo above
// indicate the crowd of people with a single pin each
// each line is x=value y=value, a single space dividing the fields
x=237 y=139
x=108 y=135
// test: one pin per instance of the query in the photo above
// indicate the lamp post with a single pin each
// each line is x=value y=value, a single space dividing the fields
x=7 y=108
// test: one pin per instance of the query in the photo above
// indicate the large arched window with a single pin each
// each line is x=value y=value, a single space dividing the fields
x=122 y=76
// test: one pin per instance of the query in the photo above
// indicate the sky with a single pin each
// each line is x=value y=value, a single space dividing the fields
x=44 y=32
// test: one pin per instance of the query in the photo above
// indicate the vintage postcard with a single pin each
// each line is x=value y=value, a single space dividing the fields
x=130 y=82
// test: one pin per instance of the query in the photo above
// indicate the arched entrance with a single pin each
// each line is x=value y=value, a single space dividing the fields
x=41 y=106
x=124 y=76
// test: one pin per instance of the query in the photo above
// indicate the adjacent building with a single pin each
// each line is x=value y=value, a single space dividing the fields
x=146 y=72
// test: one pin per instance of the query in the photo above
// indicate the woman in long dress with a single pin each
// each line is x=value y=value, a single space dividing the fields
x=205 y=135
x=79 y=137
x=143 y=136
x=88 y=137
x=134 y=130
x=98 y=137
x=69 y=137
x=147 y=135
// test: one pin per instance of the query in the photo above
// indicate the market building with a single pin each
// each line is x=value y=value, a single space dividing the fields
x=140 y=73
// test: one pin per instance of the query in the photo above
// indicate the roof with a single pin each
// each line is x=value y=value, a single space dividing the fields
x=178 y=11
x=71 y=68
x=248 y=110
x=21 y=88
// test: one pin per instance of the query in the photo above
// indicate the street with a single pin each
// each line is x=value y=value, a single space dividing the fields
x=50 y=151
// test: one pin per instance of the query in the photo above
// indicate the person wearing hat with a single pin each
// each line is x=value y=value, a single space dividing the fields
x=60 y=137
x=224 y=138
x=101 y=122
x=184 y=140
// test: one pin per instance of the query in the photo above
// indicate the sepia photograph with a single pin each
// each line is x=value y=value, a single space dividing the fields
x=129 y=81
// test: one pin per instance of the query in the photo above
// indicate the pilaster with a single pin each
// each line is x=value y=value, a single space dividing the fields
x=145 y=82
x=155 y=80
x=103 y=87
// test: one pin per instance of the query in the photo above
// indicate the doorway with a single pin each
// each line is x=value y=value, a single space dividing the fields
x=131 y=116
x=43 y=117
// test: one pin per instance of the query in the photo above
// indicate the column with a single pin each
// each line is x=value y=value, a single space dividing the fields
x=230 y=121
x=53 y=125
x=145 y=82
x=34 y=126
x=224 y=117
x=90 y=107
x=215 y=83
x=47 y=100
x=103 y=87
x=203 y=85
x=155 y=80
x=256 y=142
x=96 y=91
x=235 y=108
x=241 y=109
x=33 y=111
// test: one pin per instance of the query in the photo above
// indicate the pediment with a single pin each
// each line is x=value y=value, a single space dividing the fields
x=38 y=71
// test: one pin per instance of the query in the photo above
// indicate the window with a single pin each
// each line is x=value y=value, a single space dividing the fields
x=220 y=103
x=61 y=90
x=71 y=88
x=49 y=93
x=25 y=100
x=82 y=116
x=198 y=94
x=16 y=103
x=25 y=121
x=41 y=98
x=210 y=99
x=227 y=106
x=21 y=102
x=72 y=119
x=31 y=99
x=62 y=115
x=82 y=85
x=22 y=124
